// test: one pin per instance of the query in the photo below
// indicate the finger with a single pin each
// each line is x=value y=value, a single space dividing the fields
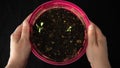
x=100 y=37
x=26 y=28
x=91 y=34
x=99 y=32
x=17 y=33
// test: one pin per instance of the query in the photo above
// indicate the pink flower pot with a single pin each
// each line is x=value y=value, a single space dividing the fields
x=71 y=7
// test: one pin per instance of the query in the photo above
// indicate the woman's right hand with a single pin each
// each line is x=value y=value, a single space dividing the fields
x=97 y=53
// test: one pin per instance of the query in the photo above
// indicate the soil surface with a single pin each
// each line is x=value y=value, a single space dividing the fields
x=58 y=34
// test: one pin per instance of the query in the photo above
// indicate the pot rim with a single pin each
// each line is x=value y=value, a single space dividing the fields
x=71 y=7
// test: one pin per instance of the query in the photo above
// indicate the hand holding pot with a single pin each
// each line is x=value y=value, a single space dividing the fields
x=19 y=46
x=97 y=48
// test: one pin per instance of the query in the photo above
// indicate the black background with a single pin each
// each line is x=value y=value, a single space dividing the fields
x=103 y=13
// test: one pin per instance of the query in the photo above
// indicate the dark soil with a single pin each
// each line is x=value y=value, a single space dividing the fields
x=58 y=34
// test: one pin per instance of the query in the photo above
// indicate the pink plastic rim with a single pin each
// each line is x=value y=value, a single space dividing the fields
x=71 y=7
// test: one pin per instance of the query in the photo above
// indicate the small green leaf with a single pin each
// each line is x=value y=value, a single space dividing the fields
x=37 y=26
x=41 y=24
x=69 y=29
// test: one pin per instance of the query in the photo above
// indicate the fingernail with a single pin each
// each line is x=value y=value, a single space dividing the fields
x=91 y=27
x=25 y=23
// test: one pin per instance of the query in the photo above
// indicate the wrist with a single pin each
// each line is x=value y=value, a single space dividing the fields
x=100 y=64
x=16 y=63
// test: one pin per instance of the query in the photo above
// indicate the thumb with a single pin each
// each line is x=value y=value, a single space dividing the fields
x=91 y=34
x=26 y=28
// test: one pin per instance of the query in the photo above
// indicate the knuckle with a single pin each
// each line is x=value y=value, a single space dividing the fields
x=12 y=35
x=92 y=43
x=24 y=39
